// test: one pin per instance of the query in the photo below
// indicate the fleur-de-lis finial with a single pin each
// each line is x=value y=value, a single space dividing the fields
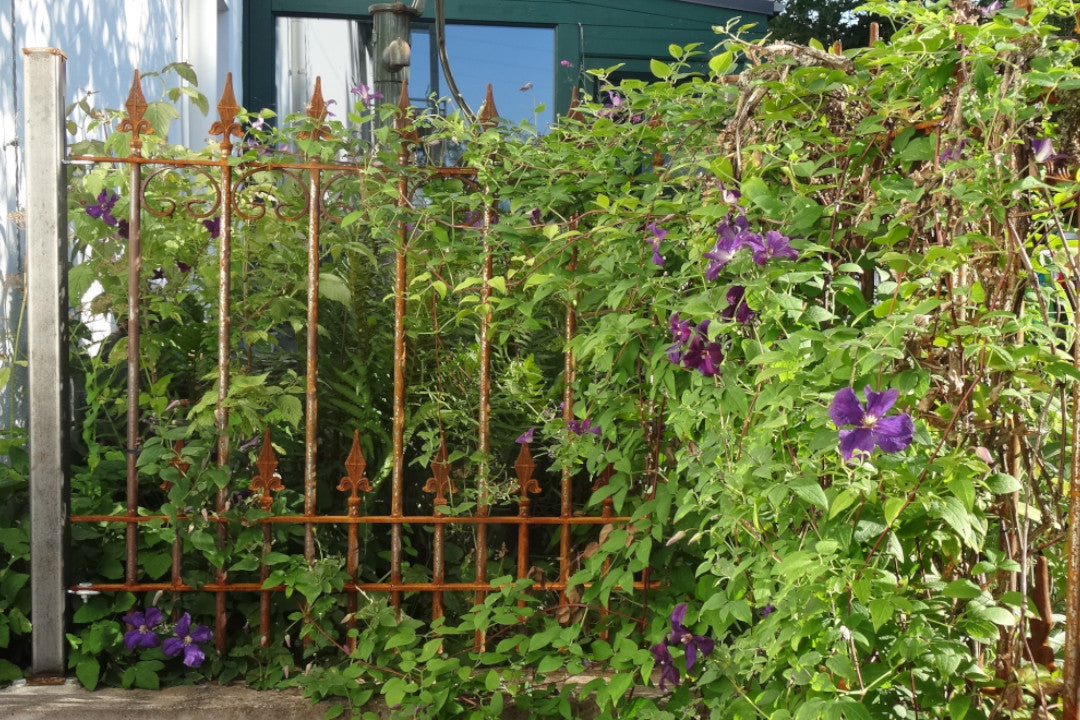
x=355 y=481
x=135 y=123
x=524 y=467
x=439 y=482
x=267 y=480
x=226 y=125
x=317 y=111
x=488 y=113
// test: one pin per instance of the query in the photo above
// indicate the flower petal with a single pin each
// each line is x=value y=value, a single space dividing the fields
x=153 y=616
x=131 y=639
x=846 y=408
x=172 y=646
x=879 y=403
x=856 y=439
x=183 y=625
x=678 y=615
x=893 y=434
x=193 y=655
x=200 y=634
x=149 y=639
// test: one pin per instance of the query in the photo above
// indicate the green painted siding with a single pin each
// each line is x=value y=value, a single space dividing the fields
x=589 y=33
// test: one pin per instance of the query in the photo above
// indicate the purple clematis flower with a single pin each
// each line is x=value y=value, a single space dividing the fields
x=583 y=427
x=526 y=437
x=668 y=672
x=773 y=245
x=737 y=309
x=213 y=226
x=536 y=218
x=142 y=624
x=366 y=94
x=103 y=209
x=766 y=611
x=1043 y=148
x=732 y=235
x=187 y=641
x=658 y=235
x=692 y=349
x=730 y=196
x=872 y=429
x=692 y=644
x=991 y=9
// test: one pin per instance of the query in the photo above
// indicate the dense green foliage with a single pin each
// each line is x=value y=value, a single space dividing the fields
x=934 y=254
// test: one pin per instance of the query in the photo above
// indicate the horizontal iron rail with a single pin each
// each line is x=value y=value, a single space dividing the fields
x=371 y=587
x=378 y=519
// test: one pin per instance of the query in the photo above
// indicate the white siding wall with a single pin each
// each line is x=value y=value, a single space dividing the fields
x=104 y=40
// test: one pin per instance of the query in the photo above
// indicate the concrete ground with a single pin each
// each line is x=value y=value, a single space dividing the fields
x=201 y=702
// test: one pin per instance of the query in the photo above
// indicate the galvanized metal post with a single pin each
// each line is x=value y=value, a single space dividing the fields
x=390 y=49
x=47 y=310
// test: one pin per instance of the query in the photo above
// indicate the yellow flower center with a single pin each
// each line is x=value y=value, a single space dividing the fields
x=869 y=421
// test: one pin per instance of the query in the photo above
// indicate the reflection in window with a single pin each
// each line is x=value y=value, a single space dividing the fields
x=510 y=58
x=335 y=50
x=519 y=62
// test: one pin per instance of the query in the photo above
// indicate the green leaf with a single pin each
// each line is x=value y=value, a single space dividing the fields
x=88 y=670
x=963 y=589
x=332 y=287
x=1002 y=483
x=660 y=69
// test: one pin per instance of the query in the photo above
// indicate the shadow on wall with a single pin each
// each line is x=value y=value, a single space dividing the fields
x=104 y=40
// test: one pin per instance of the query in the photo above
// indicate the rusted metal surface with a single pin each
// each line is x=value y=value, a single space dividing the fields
x=1071 y=665
x=135 y=123
x=227 y=181
x=397 y=477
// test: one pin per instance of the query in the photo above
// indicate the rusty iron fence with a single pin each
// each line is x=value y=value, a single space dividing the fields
x=228 y=173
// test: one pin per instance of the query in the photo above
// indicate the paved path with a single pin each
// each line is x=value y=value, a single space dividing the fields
x=201 y=702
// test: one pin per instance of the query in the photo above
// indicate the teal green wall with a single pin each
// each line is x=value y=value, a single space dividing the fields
x=589 y=33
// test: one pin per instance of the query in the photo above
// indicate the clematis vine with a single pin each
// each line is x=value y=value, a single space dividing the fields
x=186 y=641
x=871 y=426
x=142 y=626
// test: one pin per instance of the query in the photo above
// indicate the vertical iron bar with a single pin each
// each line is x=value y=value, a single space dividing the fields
x=47 y=311
x=224 y=353
x=483 y=509
x=1071 y=694
x=566 y=487
x=311 y=418
x=134 y=252
x=397 y=478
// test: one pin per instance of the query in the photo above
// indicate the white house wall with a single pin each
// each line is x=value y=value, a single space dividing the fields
x=104 y=40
